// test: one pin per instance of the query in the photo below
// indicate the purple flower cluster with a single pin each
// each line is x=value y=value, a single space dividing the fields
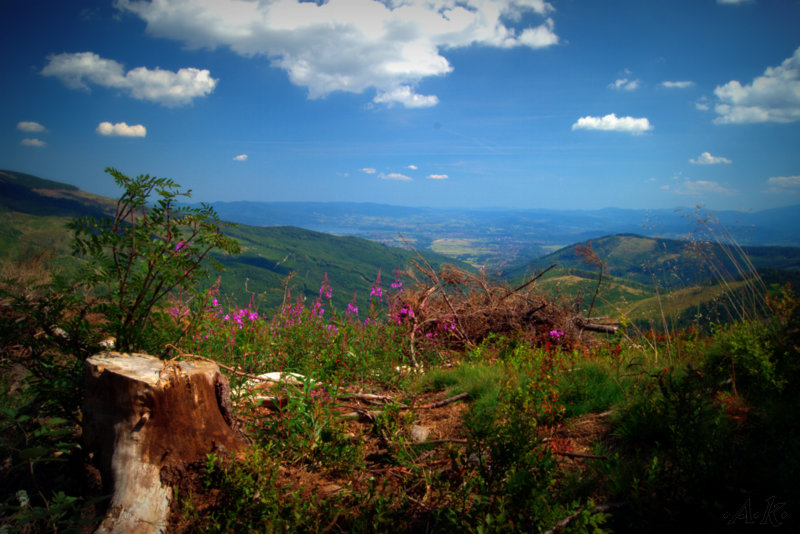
x=239 y=315
x=401 y=315
x=556 y=335
x=325 y=289
x=376 y=290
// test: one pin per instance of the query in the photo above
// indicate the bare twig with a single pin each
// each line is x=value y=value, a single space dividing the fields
x=444 y=402
x=529 y=282
x=580 y=455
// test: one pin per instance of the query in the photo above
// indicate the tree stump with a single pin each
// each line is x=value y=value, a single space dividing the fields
x=144 y=416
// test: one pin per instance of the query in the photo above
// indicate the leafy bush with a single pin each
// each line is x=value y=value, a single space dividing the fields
x=144 y=252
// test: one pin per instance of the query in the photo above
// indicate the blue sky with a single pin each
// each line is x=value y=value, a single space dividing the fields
x=563 y=104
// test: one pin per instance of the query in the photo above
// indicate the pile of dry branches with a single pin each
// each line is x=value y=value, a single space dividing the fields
x=471 y=307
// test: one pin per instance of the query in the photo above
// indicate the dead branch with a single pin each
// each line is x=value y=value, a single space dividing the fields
x=444 y=402
x=580 y=455
x=609 y=328
x=441 y=288
x=529 y=282
x=365 y=396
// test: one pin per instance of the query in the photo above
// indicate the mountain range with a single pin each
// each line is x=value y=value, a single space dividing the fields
x=497 y=238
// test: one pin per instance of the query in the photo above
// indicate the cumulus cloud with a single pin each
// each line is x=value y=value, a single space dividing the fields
x=699 y=188
x=624 y=84
x=121 y=129
x=82 y=69
x=438 y=176
x=351 y=45
x=413 y=167
x=368 y=170
x=33 y=142
x=30 y=126
x=395 y=176
x=771 y=97
x=405 y=96
x=784 y=184
x=240 y=157
x=677 y=85
x=707 y=159
x=611 y=122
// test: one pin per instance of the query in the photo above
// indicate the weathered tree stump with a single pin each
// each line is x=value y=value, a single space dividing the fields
x=144 y=416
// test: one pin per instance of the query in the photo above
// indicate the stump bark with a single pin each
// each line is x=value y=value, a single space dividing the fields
x=144 y=417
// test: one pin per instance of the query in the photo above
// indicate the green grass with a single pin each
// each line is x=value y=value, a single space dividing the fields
x=590 y=387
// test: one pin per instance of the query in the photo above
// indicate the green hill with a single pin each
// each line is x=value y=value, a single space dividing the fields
x=646 y=276
x=669 y=263
x=270 y=254
x=34 y=213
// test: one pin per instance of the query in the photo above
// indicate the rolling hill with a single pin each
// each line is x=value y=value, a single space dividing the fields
x=34 y=213
x=644 y=275
x=640 y=270
x=670 y=263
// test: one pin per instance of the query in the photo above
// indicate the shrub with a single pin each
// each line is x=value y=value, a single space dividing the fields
x=144 y=252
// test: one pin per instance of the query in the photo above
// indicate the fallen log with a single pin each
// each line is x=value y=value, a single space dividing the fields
x=604 y=328
x=144 y=418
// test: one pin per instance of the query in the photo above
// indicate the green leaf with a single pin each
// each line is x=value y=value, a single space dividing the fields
x=33 y=452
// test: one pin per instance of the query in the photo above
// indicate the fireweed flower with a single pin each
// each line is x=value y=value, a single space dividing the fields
x=352 y=308
x=376 y=290
x=556 y=335
x=325 y=289
x=180 y=246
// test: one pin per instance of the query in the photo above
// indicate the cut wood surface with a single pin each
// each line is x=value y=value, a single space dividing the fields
x=144 y=420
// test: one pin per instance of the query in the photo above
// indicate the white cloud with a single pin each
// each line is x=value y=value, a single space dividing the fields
x=784 y=184
x=404 y=95
x=121 y=129
x=611 y=122
x=368 y=170
x=707 y=159
x=79 y=70
x=771 y=97
x=33 y=142
x=413 y=167
x=351 y=45
x=395 y=176
x=732 y=1
x=438 y=176
x=677 y=85
x=701 y=187
x=30 y=126
x=702 y=104
x=240 y=157
x=624 y=84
